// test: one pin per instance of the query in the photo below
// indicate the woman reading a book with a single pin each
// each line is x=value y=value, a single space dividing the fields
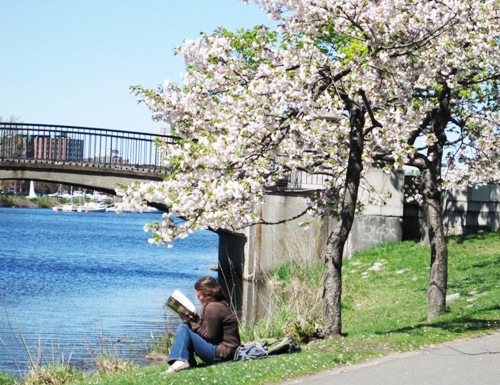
x=213 y=337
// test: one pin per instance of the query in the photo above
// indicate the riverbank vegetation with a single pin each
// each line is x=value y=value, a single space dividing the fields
x=31 y=203
x=384 y=310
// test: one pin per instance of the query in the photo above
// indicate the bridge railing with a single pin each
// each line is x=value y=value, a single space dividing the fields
x=83 y=145
x=28 y=142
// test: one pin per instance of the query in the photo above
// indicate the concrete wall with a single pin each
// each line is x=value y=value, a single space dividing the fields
x=262 y=248
x=270 y=245
x=472 y=209
x=245 y=259
x=381 y=219
x=259 y=249
x=465 y=210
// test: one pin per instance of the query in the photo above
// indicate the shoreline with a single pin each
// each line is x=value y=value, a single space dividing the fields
x=20 y=201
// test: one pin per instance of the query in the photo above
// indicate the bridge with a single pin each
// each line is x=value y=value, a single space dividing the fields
x=94 y=158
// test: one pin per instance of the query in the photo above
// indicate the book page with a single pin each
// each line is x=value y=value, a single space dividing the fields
x=177 y=295
x=181 y=305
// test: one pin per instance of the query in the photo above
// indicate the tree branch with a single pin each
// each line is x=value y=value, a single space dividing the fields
x=375 y=122
x=263 y=222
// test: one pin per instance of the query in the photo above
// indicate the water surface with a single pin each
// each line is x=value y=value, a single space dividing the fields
x=75 y=284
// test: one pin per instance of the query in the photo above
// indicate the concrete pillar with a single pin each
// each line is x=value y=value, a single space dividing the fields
x=231 y=263
x=269 y=246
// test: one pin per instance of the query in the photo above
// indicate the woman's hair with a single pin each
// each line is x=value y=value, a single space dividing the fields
x=210 y=289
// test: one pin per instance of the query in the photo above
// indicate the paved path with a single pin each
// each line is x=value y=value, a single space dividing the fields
x=468 y=362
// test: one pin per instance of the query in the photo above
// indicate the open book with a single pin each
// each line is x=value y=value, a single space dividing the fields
x=180 y=305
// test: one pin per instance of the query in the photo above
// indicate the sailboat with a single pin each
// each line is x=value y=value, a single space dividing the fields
x=69 y=207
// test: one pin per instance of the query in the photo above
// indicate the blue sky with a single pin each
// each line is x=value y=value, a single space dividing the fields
x=71 y=62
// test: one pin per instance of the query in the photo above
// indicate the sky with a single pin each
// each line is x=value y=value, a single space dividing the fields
x=72 y=62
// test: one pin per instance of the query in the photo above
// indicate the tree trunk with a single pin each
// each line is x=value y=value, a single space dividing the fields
x=438 y=279
x=332 y=293
x=433 y=211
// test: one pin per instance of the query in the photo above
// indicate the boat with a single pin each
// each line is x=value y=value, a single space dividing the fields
x=112 y=208
x=69 y=208
x=92 y=207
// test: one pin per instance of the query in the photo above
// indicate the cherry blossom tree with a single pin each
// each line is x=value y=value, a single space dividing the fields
x=337 y=88
x=444 y=55
x=255 y=106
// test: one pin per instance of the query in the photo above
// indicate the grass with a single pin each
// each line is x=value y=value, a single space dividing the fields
x=6 y=379
x=384 y=310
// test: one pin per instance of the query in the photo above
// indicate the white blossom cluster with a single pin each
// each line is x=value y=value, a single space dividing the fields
x=257 y=104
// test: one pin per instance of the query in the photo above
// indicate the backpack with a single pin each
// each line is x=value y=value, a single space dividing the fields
x=280 y=346
x=250 y=351
x=266 y=347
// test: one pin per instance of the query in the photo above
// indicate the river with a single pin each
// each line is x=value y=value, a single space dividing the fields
x=74 y=285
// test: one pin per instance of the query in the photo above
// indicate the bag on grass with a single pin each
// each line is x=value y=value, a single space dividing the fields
x=280 y=346
x=266 y=347
x=250 y=351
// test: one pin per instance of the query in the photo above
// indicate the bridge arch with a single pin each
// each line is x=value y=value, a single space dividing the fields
x=98 y=178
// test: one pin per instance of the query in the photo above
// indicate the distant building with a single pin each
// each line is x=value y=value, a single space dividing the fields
x=14 y=146
x=44 y=147
x=111 y=156
x=57 y=148
x=165 y=129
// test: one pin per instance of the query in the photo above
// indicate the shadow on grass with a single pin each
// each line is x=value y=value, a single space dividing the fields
x=457 y=325
x=471 y=236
